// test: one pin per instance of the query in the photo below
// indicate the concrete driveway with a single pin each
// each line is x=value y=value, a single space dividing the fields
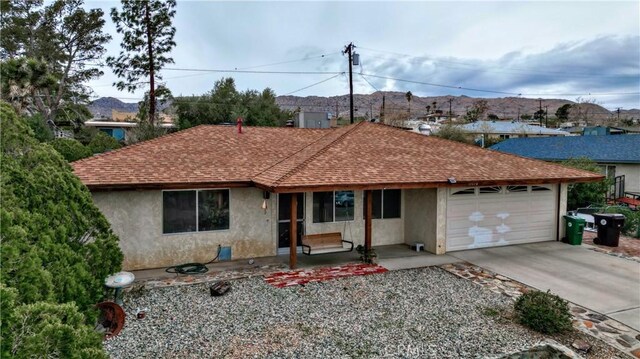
x=597 y=281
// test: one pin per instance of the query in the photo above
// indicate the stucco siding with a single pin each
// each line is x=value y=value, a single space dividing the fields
x=136 y=217
x=631 y=174
x=421 y=219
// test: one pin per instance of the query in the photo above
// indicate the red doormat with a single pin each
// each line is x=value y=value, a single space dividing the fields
x=304 y=276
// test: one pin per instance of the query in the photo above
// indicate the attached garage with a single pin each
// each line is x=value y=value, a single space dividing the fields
x=480 y=217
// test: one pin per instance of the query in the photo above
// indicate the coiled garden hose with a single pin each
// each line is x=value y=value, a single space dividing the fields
x=193 y=268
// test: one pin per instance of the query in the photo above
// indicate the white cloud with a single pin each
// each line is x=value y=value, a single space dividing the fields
x=471 y=44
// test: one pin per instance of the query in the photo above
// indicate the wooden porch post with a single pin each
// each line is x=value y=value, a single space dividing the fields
x=293 y=232
x=368 y=202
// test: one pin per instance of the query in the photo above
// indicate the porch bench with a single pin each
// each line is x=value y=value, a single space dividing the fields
x=325 y=243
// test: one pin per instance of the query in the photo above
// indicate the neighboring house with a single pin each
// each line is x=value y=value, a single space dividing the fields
x=120 y=122
x=308 y=119
x=174 y=199
x=508 y=129
x=601 y=131
x=617 y=155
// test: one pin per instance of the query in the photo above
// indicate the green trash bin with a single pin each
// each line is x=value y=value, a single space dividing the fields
x=574 y=227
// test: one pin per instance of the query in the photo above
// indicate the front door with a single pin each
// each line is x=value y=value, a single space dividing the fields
x=284 y=218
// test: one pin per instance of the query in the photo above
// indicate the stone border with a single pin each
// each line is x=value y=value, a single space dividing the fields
x=211 y=276
x=611 y=253
x=610 y=331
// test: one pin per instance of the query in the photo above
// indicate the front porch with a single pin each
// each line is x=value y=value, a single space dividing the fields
x=392 y=257
x=385 y=218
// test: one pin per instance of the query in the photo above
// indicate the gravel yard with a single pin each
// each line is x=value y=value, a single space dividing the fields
x=424 y=312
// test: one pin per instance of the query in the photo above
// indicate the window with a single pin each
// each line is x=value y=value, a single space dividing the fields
x=464 y=191
x=490 y=190
x=117 y=133
x=386 y=204
x=540 y=188
x=333 y=206
x=516 y=189
x=195 y=211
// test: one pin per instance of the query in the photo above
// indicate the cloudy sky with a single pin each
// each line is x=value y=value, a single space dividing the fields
x=481 y=49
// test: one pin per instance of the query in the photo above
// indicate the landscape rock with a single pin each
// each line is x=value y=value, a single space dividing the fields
x=581 y=345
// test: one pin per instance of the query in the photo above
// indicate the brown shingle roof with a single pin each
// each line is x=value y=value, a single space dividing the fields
x=288 y=159
x=201 y=155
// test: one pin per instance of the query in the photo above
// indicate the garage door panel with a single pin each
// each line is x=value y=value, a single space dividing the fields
x=495 y=219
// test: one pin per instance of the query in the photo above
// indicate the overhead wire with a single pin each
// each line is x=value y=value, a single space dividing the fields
x=314 y=84
x=290 y=61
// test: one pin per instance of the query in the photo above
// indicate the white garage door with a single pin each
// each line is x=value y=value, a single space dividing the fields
x=496 y=216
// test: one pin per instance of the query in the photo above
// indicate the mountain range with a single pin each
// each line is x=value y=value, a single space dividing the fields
x=365 y=105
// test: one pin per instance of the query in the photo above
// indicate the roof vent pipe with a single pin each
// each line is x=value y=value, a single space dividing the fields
x=239 y=122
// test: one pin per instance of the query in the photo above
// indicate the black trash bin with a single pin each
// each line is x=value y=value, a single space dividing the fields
x=609 y=227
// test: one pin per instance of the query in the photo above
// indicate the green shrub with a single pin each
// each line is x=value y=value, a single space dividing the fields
x=454 y=133
x=70 y=149
x=56 y=248
x=102 y=142
x=631 y=220
x=366 y=256
x=85 y=134
x=49 y=330
x=543 y=312
x=584 y=194
x=41 y=130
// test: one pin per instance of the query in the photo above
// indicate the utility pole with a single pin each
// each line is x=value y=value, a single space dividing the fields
x=518 y=113
x=540 y=113
x=450 y=114
x=382 y=112
x=348 y=50
x=370 y=110
x=546 y=116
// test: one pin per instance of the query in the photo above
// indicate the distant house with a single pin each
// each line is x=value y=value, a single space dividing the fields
x=176 y=198
x=117 y=126
x=601 y=131
x=508 y=129
x=307 y=119
x=619 y=156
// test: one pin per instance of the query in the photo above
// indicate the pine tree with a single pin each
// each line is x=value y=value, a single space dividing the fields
x=60 y=39
x=148 y=39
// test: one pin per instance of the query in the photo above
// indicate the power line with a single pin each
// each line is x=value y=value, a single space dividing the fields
x=288 y=61
x=240 y=71
x=314 y=84
x=503 y=92
x=440 y=85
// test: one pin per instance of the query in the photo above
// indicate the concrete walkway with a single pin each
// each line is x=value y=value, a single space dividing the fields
x=597 y=281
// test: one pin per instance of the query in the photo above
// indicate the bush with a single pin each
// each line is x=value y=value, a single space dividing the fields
x=56 y=248
x=585 y=194
x=102 y=142
x=85 y=134
x=41 y=130
x=543 y=312
x=70 y=149
x=453 y=133
x=631 y=219
x=46 y=330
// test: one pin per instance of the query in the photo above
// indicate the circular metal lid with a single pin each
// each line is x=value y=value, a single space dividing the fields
x=119 y=280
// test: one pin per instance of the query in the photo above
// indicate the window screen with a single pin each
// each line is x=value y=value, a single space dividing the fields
x=195 y=211
x=386 y=204
x=323 y=207
x=344 y=201
x=213 y=210
x=179 y=211
x=391 y=203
